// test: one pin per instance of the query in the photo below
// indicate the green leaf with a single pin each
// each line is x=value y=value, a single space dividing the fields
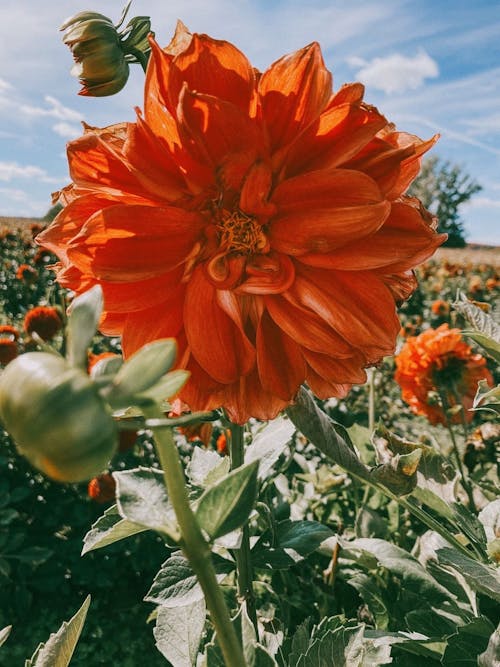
x=487 y=398
x=34 y=555
x=83 y=317
x=176 y=585
x=58 y=650
x=491 y=655
x=470 y=525
x=482 y=578
x=178 y=632
x=464 y=647
x=109 y=528
x=268 y=445
x=292 y=542
x=400 y=562
x=486 y=331
x=166 y=387
x=342 y=647
x=489 y=517
x=144 y=369
x=4 y=634
x=206 y=467
x=371 y=595
x=227 y=505
x=142 y=499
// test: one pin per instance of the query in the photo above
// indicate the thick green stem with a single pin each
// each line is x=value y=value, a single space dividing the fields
x=194 y=545
x=243 y=557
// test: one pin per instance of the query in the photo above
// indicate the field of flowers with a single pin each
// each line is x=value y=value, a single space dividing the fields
x=398 y=564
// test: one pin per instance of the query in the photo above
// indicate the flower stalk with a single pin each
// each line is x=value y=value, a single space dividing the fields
x=194 y=544
x=244 y=570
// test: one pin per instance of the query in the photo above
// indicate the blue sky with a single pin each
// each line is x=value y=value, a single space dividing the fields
x=428 y=65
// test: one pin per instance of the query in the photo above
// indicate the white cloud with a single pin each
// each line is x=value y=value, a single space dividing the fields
x=11 y=170
x=482 y=202
x=67 y=130
x=4 y=86
x=396 y=73
x=14 y=194
x=55 y=110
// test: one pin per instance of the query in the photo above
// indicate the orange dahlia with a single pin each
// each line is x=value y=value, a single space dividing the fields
x=259 y=218
x=8 y=350
x=43 y=320
x=439 y=367
x=102 y=488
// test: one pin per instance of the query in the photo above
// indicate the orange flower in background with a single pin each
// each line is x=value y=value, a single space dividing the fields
x=437 y=363
x=26 y=273
x=440 y=308
x=43 y=320
x=260 y=219
x=8 y=331
x=8 y=350
x=102 y=488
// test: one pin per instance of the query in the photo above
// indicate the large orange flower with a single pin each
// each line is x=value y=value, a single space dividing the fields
x=438 y=365
x=258 y=218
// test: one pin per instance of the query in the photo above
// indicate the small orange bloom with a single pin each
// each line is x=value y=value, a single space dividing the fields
x=8 y=331
x=260 y=219
x=43 y=320
x=440 y=308
x=221 y=444
x=437 y=363
x=102 y=488
x=26 y=273
x=491 y=284
x=8 y=350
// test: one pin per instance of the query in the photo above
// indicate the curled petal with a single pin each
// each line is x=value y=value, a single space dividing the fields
x=267 y=274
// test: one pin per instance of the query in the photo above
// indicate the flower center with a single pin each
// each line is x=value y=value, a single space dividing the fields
x=240 y=233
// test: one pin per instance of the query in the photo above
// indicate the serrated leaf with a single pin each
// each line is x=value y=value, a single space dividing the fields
x=206 y=467
x=144 y=369
x=487 y=398
x=227 y=505
x=59 y=648
x=109 y=528
x=141 y=498
x=178 y=632
x=176 y=585
x=268 y=445
x=83 y=317
x=482 y=578
x=342 y=647
x=4 y=634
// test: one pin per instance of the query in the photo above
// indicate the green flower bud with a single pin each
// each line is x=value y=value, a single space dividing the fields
x=101 y=53
x=56 y=417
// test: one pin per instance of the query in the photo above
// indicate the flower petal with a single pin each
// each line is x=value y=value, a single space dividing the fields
x=404 y=241
x=337 y=371
x=293 y=92
x=354 y=303
x=279 y=360
x=267 y=274
x=324 y=210
x=125 y=243
x=217 y=339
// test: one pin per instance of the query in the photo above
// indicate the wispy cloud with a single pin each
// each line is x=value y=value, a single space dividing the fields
x=482 y=202
x=396 y=73
x=67 y=130
x=11 y=170
x=55 y=109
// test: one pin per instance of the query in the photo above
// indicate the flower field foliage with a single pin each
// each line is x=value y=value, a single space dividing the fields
x=279 y=470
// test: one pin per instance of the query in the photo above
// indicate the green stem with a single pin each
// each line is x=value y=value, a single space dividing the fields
x=194 y=544
x=371 y=399
x=465 y=482
x=243 y=557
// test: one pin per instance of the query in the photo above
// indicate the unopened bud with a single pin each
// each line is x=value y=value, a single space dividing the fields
x=102 y=54
x=56 y=417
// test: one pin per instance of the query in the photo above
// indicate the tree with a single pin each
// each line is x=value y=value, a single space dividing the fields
x=443 y=188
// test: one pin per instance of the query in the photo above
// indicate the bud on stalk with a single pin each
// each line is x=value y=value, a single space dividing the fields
x=56 y=417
